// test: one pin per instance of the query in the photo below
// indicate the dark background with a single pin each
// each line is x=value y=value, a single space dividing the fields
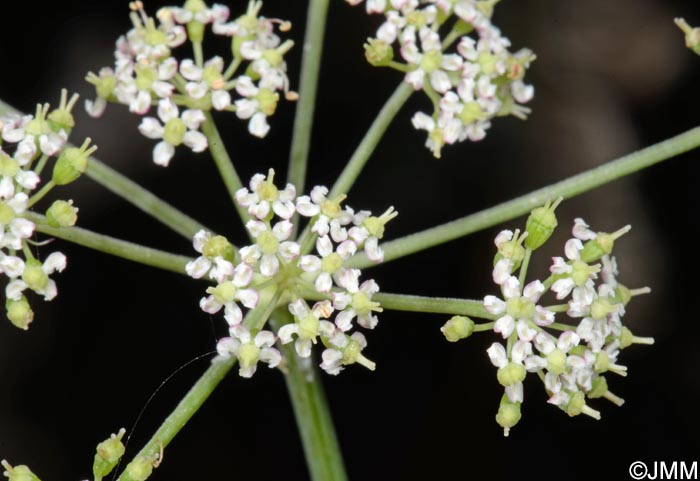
x=611 y=77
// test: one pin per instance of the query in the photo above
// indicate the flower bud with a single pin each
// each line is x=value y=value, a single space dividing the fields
x=378 y=53
x=19 y=312
x=62 y=117
x=541 y=224
x=18 y=473
x=195 y=28
x=219 y=246
x=34 y=275
x=511 y=373
x=62 y=214
x=458 y=327
x=108 y=454
x=603 y=244
x=139 y=469
x=508 y=414
x=692 y=35
x=72 y=163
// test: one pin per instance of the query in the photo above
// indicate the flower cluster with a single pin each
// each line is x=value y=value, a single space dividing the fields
x=146 y=73
x=28 y=143
x=481 y=80
x=275 y=268
x=571 y=355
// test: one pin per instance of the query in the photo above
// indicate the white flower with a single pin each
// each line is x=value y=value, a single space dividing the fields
x=249 y=350
x=574 y=275
x=307 y=326
x=174 y=130
x=264 y=195
x=209 y=79
x=226 y=293
x=355 y=301
x=16 y=227
x=329 y=264
x=431 y=62
x=35 y=276
x=258 y=103
x=344 y=350
x=271 y=246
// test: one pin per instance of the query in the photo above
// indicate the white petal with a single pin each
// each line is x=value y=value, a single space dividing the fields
x=497 y=355
x=195 y=141
x=55 y=262
x=504 y=326
x=163 y=152
x=269 y=265
x=248 y=297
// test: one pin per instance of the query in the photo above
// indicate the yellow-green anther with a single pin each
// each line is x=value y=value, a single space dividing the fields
x=248 y=356
x=508 y=414
x=520 y=307
x=332 y=263
x=603 y=244
x=62 y=214
x=139 y=469
x=375 y=225
x=308 y=327
x=267 y=101
x=541 y=224
x=471 y=112
x=34 y=275
x=62 y=117
x=19 y=312
x=224 y=292
x=18 y=473
x=458 y=327
x=108 y=454
x=692 y=35
x=378 y=53
x=556 y=361
x=219 y=246
x=331 y=207
x=72 y=163
x=511 y=373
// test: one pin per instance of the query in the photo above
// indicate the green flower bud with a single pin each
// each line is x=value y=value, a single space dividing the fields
x=62 y=214
x=692 y=35
x=267 y=101
x=248 y=355
x=195 y=29
x=34 y=275
x=9 y=167
x=556 y=362
x=600 y=387
x=623 y=294
x=512 y=249
x=603 y=244
x=541 y=224
x=308 y=327
x=458 y=327
x=19 y=312
x=219 y=246
x=577 y=405
x=18 y=473
x=378 y=53
x=511 y=373
x=627 y=339
x=72 y=163
x=139 y=469
x=508 y=414
x=375 y=225
x=62 y=117
x=108 y=454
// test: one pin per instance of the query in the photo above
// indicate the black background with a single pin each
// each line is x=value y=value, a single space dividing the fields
x=611 y=77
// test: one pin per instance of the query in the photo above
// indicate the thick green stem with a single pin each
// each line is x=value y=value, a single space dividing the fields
x=189 y=405
x=308 y=86
x=321 y=449
x=223 y=163
x=567 y=188
x=134 y=193
x=110 y=245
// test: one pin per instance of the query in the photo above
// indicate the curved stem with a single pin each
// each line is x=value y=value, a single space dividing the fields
x=223 y=163
x=110 y=245
x=567 y=188
x=308 y=86
x=323 y=456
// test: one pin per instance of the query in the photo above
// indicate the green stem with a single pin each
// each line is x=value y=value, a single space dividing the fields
x=323 y=456
x=308 y=86
x=134 y=193
x=524 y=266
x=223 y=163
x=41 y=193
x=110 y=245
x=567 y=188
x=484 y=327
x=198 y=54
x=143 y=199
x=189 y=405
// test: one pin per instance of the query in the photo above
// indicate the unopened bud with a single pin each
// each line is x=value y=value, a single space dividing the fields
x=72 y=163
x=458 y=327
x=19 y=312
x=378 y=53
x=541 y=224
x=62 y=214
x=508 y=414
x=18 y=473
x=108 y=454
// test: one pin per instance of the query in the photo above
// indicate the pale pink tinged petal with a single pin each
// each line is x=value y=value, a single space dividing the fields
x=258 y=125
x=369 y=287
x=163 y=152
x=198 y=267
x=349 y=279
x=27 y=179
x=18 y=203
x=193 y=118
x=331 y=361
x=326 y=328
x=511 y=287
x=22 y=228
x=559 y=266
x=189 y=70
x=26 y=150
x=338 y=339
x=504 y=326
x=543 y=317
x=514 y=392
x=283 y=230
x=151 y=128
x=310 y=263
x=581 y=230
x=502 y=271
x=415 y=79
x=241 y=332
x=324 y=246
x=344 y=319
x=285 y=332
x=494 y=305
x=534 y=290
x=563 y=287
x=13 y=266
x=285 y=209
x=373 y=251
x=572 y=249
x=162 y=89
x=195 y=141
x=289 y=250
x=358 y=234
x=221 y=99
x=50 y=144
x=264 y=339
x=319 y=193
x=306 y=208
x=200 y=239
x=14 y=289
x=323 y=309
x=260 y=210
x=535 y=363
x=440 y=81
x=522 y=92
x=250 y=50
x=303 y=347
x=552 y=383
x=95 y=108
x=368 y=321
x=255 y=227
x=245 y=198
x=222 y=270
x=248 y=297
x=525 y=332
x=559 y=399
x=346 y=249
x=210 y=305
x=567 y=340
x=246 y=108
x=242 y=275
x=544 y=342
x=248 y=372
x=227 y=346
x=271 y=356
x=250 y=254
x=141 y=103
x=341 y=300
x=50 y=291
x=321 y=226
x=338 y=232
x=497 y=355
x=269 y=265
x=56 y=261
